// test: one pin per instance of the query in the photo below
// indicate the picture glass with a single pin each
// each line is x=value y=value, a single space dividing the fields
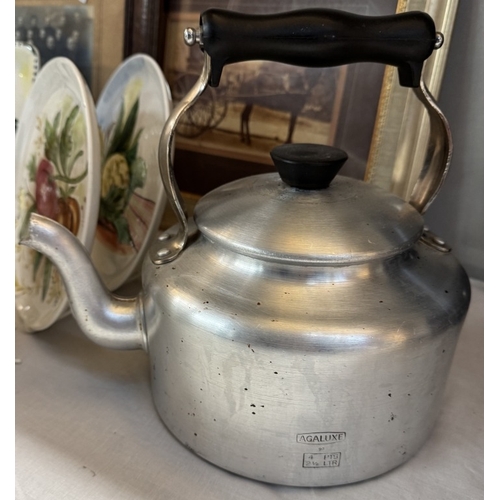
x=58 y=31
x=261 y=104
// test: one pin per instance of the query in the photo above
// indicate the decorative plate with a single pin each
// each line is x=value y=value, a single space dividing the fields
x=57 y=175
x=131 y=113
x=27 y=64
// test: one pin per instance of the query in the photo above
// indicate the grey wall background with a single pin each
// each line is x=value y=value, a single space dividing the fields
x=457 y=214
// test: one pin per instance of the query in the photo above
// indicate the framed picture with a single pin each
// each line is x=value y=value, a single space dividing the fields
x=89 y=32
x=360 y=108
x=258 y=104
x=230 y=130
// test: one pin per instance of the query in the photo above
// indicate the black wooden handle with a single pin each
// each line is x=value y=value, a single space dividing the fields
x=319 y=38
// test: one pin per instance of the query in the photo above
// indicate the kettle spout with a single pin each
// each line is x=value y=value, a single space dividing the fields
x=105 y=318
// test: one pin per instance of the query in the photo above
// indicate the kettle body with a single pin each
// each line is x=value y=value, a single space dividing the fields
x=304 y=375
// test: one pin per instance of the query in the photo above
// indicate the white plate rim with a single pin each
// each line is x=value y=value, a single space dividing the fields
x=57 y=66
x=120 y=278
x=36 y=60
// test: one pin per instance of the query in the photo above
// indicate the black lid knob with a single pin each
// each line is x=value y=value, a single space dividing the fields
x=308 y=166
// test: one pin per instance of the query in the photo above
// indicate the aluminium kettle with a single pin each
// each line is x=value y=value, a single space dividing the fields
x=301 y=328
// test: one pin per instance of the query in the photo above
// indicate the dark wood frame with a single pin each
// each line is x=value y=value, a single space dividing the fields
x=145 y=22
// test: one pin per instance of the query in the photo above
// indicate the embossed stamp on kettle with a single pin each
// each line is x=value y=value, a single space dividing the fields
x=321 y=437
x=317 y=460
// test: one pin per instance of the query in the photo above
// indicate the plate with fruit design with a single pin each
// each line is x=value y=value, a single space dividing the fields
x=57 y=175
x=131 y=112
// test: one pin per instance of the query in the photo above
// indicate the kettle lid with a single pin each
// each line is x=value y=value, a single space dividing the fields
x=302 y=216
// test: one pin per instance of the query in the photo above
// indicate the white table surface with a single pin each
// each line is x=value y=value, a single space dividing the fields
x=86 y=429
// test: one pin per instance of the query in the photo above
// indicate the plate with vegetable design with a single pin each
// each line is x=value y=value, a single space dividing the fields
x=57 y=175
x=27 y=64
x=131 y=112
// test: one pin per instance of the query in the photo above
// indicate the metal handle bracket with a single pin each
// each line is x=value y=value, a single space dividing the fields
x=168 y=246
x=438 y=155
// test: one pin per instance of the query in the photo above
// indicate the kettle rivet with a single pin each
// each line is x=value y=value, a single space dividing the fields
x=439 y=41
x=164 y=237
x=191 y=36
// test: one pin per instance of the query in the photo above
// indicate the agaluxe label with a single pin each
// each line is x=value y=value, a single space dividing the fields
x=321 y=437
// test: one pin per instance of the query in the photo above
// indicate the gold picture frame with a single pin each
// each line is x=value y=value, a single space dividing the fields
x=401 y=132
